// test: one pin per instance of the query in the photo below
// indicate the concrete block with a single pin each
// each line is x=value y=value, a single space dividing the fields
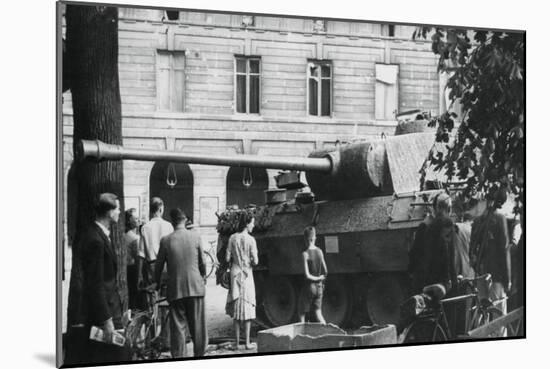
x=377 y=335
x=313 y=336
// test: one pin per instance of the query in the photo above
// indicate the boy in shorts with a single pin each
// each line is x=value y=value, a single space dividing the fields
x=315 y=271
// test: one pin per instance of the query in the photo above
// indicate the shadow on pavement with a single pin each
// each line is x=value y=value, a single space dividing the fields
x=46 y=358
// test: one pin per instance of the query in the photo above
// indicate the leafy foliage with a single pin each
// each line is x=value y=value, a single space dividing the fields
x=485 y=142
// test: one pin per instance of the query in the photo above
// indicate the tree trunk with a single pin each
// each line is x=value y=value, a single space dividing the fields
x=92 y=52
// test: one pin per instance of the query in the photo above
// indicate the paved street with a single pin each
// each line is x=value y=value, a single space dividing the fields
x=220 y=325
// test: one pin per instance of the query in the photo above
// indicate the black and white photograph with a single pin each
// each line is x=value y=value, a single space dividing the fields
x=240 y=183
x=236 y=183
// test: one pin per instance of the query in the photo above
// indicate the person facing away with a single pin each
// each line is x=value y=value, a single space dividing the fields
x=182 y=253
x=489 y=251
x=439 y=258
x=315 y=273
x=458 y=316
x=131 y=243
x=463 y=232
x=418 y=254
x=242 y=254
x=151 y=234
x=102 y=301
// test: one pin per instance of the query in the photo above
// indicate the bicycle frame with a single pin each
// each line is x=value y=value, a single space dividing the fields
x=156 y=316
x=436 y=315
x=455 y=300
x=477 y=314
x=212 y=254
x=213 y=247
x=482 y=304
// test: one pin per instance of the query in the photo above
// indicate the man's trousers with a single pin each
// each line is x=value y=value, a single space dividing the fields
x=188 y=312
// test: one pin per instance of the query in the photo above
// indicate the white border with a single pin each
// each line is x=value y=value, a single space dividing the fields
x=28 y=181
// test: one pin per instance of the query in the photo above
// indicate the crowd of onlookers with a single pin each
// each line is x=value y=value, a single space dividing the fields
x=166 y=260
x=444 y=252
x=170 y=254
x=159 y=244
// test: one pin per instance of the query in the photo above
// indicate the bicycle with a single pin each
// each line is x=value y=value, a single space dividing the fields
x=211 y=260
x=143 y=333
x=486 y=311
x=432 y=324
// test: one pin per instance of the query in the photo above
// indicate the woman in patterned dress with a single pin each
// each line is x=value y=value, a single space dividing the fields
x=242 y=254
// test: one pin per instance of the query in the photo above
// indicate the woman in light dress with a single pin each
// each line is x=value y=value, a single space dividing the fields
x=242 y=254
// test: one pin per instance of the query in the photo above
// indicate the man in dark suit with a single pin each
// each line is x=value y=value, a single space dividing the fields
x=183 y=254
x=434 y=259
x=102 y=302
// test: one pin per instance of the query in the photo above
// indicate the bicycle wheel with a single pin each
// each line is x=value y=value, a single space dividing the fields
x=488 y=315
x=139 y=334
x=424 y=331
x=210 y=264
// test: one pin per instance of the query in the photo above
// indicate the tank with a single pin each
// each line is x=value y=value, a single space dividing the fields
x=365 y=203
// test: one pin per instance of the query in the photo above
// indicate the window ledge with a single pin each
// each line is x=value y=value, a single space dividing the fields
x=242 y=117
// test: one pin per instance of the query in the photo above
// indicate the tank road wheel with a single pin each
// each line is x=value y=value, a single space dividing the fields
x=385 y=294
x=279 y=300
x=337 y=300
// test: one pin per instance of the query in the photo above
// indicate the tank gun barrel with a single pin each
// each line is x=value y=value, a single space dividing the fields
x=102 y=151
x=349 y=171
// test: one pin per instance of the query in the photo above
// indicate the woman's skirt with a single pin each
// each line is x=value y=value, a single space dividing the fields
x=241 y=297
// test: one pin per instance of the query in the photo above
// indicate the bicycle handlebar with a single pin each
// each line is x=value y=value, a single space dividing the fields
x=458 y=298
x=486 y=276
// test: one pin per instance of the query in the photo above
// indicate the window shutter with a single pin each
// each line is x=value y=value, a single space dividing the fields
x=386 y=91
x=178 y=84
x=170 y=81
x=163 y=81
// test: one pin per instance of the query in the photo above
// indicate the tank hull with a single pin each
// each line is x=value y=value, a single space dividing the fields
x=366 y=244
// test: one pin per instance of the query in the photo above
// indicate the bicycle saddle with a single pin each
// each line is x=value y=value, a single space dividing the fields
x=435 y=291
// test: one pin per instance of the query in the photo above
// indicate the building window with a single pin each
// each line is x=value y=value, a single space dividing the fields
x=247 y=21
x=319 y=25
x=247 y=80
x=386 y=92
x=170 y=80
x=388 y=30
x=319 y=76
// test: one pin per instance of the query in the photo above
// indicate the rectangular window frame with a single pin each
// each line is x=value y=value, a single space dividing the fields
x=247 y=75
x=172 y=89
x=320 y=63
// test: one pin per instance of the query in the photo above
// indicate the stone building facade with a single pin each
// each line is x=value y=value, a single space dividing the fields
x=237 y=83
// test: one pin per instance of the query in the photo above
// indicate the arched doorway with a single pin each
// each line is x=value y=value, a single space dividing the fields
x=179 y=195
x=239 y=194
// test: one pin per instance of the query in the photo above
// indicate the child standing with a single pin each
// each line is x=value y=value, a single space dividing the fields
x=315 y=271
